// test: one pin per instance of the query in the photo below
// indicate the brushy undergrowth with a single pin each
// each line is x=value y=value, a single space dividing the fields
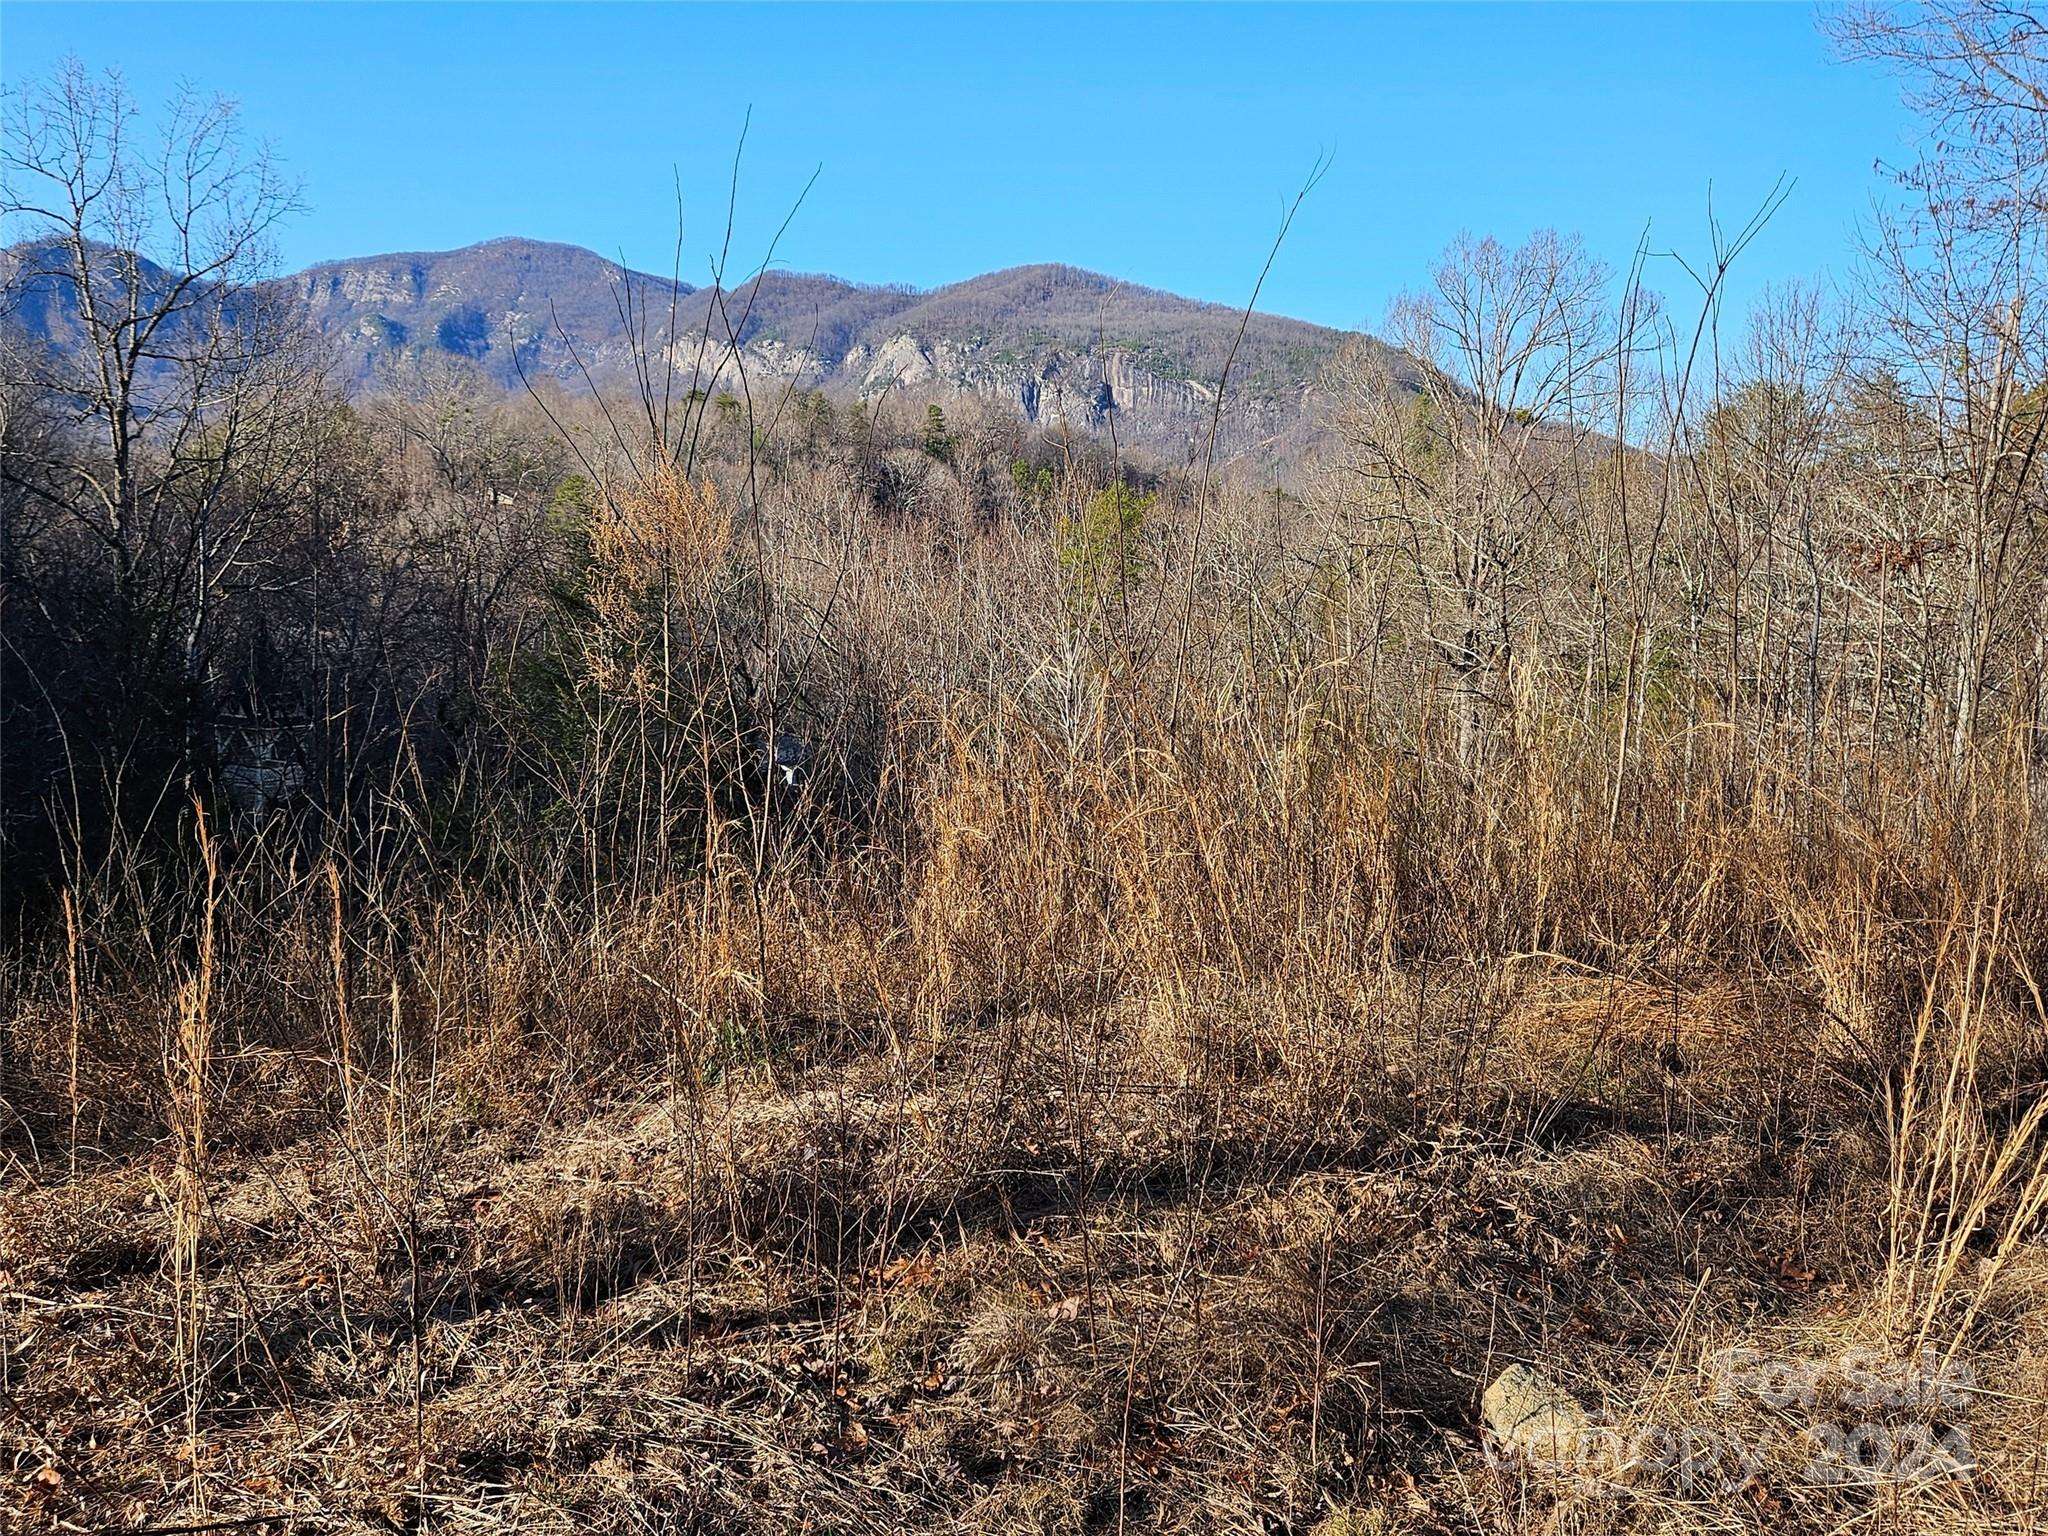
x=1166 y=1134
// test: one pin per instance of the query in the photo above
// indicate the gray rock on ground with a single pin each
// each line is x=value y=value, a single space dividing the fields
x=1535 y=1420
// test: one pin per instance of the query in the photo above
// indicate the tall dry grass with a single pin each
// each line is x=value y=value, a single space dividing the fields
x=1116 y=1088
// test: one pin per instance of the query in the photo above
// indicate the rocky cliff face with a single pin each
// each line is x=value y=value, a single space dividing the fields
x=1077 y=390
x=506 y=305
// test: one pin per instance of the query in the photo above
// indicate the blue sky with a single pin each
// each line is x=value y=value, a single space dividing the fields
x=1157 y=143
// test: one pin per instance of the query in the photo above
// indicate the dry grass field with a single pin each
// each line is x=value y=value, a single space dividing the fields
x=1146 y=1124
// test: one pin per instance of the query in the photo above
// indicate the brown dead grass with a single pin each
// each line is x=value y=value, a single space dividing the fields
x=1139 y=1142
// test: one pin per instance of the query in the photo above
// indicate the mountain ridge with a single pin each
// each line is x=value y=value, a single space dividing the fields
x=1063 y=345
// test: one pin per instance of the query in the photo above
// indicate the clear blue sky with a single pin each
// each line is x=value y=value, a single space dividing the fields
x=1156 y=143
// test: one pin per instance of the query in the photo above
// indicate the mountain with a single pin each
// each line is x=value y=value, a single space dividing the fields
x=38 y=295
x=1061 y=345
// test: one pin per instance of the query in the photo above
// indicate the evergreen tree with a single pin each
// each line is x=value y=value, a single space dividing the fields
x=938 y=442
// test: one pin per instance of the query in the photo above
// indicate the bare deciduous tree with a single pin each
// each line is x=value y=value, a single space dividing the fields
x=169 y=364
x=1468 y=456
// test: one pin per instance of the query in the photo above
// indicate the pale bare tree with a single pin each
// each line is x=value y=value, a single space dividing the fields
x=1960 y=298
x=1466 y=461
x=1977 y=70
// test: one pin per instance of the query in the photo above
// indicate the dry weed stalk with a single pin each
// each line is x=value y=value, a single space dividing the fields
x=1966 y=1194
x=188 y=1062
